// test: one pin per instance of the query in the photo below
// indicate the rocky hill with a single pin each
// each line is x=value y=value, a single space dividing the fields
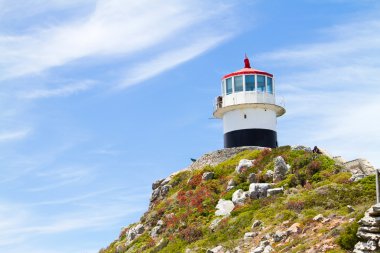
x=252 y=199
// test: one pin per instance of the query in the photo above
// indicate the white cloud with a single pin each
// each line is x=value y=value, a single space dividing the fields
x=170 y=59
x=332 y=88
x=114 y=28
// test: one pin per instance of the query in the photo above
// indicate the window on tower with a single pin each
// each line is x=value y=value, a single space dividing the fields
x=269 y=85
x=229 y=86
x=249 y=82
x=260 y=83
x=238 y=82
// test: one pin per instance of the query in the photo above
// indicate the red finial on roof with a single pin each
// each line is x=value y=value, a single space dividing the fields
x=246 y=62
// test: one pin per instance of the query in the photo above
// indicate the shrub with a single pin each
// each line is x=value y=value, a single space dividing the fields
x=341 y=178
x=295 y=205
x=195 y=180
x=313 y=168
x=191 y=234
x=347 y=238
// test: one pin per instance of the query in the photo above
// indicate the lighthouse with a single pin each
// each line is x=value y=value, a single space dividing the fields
x=248 y=108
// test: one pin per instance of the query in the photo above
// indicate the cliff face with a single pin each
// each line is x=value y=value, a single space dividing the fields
x=252 y=199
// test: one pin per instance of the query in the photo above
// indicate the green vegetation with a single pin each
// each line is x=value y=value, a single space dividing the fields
x=315 y=184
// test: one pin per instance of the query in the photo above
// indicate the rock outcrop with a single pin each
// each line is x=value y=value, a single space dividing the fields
x=359 y=168
x=219 y=156
x=258 y=190
x=369 y=231
x=280 y=169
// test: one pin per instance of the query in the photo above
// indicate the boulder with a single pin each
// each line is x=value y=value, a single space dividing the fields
x=361 y=247
x=155 y=194
x=224 y=207
x=237 y=250
x=134 y=232
x=258 y=190
x=217 y=249
x=264 y=247
x=268 y=175
x=155 y=231
x=367 y=236
x=251 y=178
x=376 y=208
x=243 y=165
x=268 y=249
x=280 y=169
x=275 y=191
x=120 y=248
x=239 y=197
x=279 y=236
x=300 y=147
x=256 y=223
x=214 y=223
x=165 y=190
x=339 y=160
x=294 y=229
x=356 y=177
x=369 y=221
x=374 y=229
x=160 y=223
x=208 y=176
x=161 y=244
x=359 y=167
x=156 y=184
x=249 y=235
x=259 y=249
x=318 y=217
x=231 y=184
x=139 y=229
x=131 y=235
x=350 y=209
x=166 y=180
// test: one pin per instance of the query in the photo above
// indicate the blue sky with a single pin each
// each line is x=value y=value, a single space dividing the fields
x=100 y=98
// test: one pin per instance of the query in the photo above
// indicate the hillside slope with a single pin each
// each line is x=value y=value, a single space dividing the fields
x=255 y=200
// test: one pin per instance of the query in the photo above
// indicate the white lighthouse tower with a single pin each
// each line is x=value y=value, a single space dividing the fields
x=248 y=108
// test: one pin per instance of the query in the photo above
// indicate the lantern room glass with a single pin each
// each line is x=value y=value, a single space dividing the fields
x=229 y=86
x=260 y=83
x=270 y=85
x=238 y=83
x=250 y=83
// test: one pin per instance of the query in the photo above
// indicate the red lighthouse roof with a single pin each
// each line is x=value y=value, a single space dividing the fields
x=247 y=70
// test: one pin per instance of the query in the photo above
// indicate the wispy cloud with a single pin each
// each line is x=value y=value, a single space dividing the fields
x=66 y=90
x=14 y=135
x=62 y=177
x=335 y=82
x=114 y=28
x=170 y=59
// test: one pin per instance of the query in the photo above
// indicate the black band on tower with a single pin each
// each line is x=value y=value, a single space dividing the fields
x=251 y=137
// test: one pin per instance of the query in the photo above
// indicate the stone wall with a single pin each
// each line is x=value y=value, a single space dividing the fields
x=369 y=231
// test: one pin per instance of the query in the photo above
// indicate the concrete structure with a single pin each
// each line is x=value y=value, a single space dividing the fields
x=248 y=108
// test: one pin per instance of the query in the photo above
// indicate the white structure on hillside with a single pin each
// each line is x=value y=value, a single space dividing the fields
x=248 y=108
